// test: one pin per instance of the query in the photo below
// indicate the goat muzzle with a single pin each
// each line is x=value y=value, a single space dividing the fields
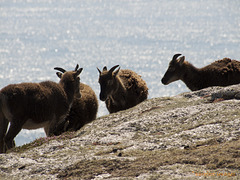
x=102 y=97
x=164 y=81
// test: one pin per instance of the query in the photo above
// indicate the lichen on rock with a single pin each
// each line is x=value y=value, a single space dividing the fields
x=186 y=136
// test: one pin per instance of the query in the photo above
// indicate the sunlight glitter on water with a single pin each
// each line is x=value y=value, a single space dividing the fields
x=37 y=35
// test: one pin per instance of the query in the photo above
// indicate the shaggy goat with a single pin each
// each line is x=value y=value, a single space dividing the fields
x=121 y=89
x=36 y=105
x=83 y=110
x=223 y=72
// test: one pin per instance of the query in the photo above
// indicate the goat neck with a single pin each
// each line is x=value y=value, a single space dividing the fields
x=120 y=86
x=119 y=93
x=192 y=76
x=67 y=82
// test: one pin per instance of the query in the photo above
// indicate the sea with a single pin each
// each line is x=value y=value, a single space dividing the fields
x=141 y=35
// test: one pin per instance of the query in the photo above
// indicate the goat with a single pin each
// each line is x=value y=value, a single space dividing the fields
x=36 y=105
x=121 y=89
x=223 y=72
x=83 y=110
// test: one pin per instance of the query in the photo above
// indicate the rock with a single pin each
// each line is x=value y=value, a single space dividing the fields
x=187 y=136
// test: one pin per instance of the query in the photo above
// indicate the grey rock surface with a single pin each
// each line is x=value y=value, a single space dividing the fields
x=190 y=136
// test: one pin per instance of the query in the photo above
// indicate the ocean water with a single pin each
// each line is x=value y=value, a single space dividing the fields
x=38 y=35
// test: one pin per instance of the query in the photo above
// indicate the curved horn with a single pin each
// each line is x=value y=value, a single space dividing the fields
x=112 y=69
x=99 y=70
x=79 y=71
x=175 y=57
x=60 y=69
x=76 y=68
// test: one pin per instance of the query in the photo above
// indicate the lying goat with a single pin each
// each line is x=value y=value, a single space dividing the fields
x=223 y=72
x=83 y=110
x=121 y=89
x=36 y=105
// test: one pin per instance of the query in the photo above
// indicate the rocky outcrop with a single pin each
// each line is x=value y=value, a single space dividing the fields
x=192 y=135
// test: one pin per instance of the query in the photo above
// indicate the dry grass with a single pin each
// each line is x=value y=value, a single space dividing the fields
x=211 y=154
x=41 y=141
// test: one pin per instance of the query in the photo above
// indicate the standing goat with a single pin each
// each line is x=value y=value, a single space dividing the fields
x=121 y=89
x=223 y=72
x=83 y=110
x=36 y=105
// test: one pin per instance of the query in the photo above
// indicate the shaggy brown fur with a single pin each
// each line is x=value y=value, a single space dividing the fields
x=35 y=105
x=83 y=111
x=121 y=89
x=223 y=72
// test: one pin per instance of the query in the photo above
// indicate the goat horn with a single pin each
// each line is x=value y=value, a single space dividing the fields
x=112 y=69
x=76 y=68
x=175 y=57
x=79 y=71
x=99 y=70
x=60 y=69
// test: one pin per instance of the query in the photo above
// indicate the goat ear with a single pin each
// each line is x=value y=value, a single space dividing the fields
x=104 y=68
x=181 y=60
x=116 y=72
x=59 y=74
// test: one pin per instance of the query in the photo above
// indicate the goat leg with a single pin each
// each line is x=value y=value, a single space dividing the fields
x=3 y=129
x=13 y=130
x=51 y=129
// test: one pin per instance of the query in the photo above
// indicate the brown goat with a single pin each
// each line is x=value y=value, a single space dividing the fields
x=83 y=111
x=223 y=72
x=121 y=89
x=36 y=105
